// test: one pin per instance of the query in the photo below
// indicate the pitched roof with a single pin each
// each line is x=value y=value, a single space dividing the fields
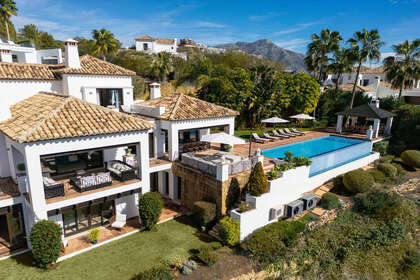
x=349 y=87
x=49 y=116
x=95 y=66
x=376 y=70
x=165 y=41
x=367 y=111
x=26 y=71
x=90 y=66
x=184 y=107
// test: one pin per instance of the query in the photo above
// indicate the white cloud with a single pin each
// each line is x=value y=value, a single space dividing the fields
x=293 y=44
x=296 y=28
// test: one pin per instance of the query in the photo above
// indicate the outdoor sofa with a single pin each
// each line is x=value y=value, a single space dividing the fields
x=121 y=171
x=52 y=188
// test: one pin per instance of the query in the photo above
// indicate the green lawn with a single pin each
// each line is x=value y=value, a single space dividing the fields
x=120 y=259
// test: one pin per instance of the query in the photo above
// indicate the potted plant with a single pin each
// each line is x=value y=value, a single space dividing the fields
x=228 y=148
x=21 y=167
x=94 y=235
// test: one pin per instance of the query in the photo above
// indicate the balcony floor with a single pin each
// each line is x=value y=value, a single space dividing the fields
x=71 y=192
x=8 y=188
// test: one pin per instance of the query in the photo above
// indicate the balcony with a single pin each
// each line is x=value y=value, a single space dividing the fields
x=8 y=188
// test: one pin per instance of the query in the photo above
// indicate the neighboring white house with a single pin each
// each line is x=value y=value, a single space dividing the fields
x=156 y=45
x=26 y=53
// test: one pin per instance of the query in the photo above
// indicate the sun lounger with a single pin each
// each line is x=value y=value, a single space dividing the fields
x=259 y=139
x=266 y=135
x=285 y=133
x=297 y=131
x=289 y=132
x=276 y=133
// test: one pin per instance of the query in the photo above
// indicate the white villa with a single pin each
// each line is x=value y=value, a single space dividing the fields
x=156 y=45
x=77 y=149
x=373 y=83
x=26 y=53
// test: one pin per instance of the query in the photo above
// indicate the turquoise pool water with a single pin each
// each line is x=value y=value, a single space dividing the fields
x=326 y=152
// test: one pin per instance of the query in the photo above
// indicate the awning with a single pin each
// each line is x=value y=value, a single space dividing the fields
x=274 y=120
x=222 y=138
x=302 y=117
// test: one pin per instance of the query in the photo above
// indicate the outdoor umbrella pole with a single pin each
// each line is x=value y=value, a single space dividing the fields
x=250 y=143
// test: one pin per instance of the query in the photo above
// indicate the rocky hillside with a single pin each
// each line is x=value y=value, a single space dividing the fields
x=266 y=48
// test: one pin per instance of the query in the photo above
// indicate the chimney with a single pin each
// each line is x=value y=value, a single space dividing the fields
x=378 y=81
x=375 y=103
x=154 y=90
x=72 y=59
x=6 y=55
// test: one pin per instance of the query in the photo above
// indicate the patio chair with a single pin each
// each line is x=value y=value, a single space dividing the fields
x=120 y=221
x=259 y=139
x=297 y=131
x=266 y=135
x=289 y=132
x=285 y=133
x=276 y=133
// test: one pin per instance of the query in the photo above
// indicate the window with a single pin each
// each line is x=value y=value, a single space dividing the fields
x=145 y=46
x=110 y=97
x=14 y=58
x=365 y=82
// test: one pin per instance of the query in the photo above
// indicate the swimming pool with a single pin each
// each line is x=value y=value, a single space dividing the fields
x=326 y=152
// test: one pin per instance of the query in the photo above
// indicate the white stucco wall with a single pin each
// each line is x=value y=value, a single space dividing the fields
x=154 y=47
x=14 y=91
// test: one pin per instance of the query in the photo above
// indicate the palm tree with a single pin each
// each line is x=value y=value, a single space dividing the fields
x=342 y=62
x=7 y=9
x=312 y=64
x=162 y=65
x=105 y=43
x=404 y=67
x=366 y=45
x=321 y=46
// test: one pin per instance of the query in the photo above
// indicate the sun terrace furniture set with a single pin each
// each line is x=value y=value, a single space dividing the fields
x=195 y=147
x=277 y=135
x=83 y=181
x=359 y=129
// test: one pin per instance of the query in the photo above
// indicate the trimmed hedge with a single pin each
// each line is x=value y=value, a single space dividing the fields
x=330 y=201
x=380 y=205
x=388 y=169
x=46 y=243
x=229 y=231
x=204 y=213
x=378 y=176
x=150 y=208
x=257 y=182
x=271 y=242
x=411 y=158
x=357 y=181
x=159 y=273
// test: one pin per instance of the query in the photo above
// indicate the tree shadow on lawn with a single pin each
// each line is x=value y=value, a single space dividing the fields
x=25 y=259
x=187 y=220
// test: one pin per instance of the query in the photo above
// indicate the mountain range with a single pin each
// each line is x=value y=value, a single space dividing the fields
x=291 y=60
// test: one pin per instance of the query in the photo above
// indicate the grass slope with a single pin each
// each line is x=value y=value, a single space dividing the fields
x=120 y=259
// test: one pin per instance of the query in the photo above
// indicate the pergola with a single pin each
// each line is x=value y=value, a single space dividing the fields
x=368 y=111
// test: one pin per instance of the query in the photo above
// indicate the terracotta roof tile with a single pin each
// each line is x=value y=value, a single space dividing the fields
x=95 y=66
x=48 y=116
x=165 y=41
x=349 y=87
x=376 y=70
x=26 y=71
x=184 y=107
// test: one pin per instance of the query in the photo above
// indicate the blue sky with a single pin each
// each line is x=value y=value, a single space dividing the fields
x=287 y=23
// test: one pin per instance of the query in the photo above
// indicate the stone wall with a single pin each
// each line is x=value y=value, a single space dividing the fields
x=197 y=185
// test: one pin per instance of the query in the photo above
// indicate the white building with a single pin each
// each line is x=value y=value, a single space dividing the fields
x=26 y=53
x=156 y=45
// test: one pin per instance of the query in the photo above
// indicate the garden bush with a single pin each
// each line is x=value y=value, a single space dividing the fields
x=159 y=273
x=269 y=243
x=406 y=129
x=229 y=231
x=204 y=213
x=411 y=158
x=338 y=182
x=386 y=159
x=46 y=242
x=257 y=182
x=400 y=168
x=233 y=194
x=330 y=201
x=244 y=206
x=378 y=176
x=207 y=256
x=381 y=147
x=388 y=169
x=302 y=161
x=150 y=208
x=357 y=181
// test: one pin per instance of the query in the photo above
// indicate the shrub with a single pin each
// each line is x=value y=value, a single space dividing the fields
x=207 y=256
x=357 y=181
x=381 y=147
x=338 y=182
x=93 y=234
x=273 y=174
x=388 y=169
x=204 y=213
x=302 y=161
x=378 y=176
x=269 y=243
x=150 y=208
x=244 y=206
x=46 y=242
x=234 y=193
x=386 y=159
x=21 y=167
x=400 y=169
x=257 y=182
x=289 y=156
x=330 y=201
x=159 y=273
x=229 y=231
x=406 y=129
x=378 y=204
x=411 y=158
x=284 y=167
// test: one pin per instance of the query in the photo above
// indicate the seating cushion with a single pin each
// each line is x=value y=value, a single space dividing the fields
x=48 y=181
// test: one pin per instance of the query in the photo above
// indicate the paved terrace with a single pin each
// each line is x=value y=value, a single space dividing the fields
x=8 y=188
